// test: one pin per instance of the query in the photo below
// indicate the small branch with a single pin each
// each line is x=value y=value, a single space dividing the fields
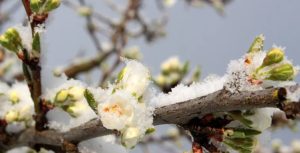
x=74 y=69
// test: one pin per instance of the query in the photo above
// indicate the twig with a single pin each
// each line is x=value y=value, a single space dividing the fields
x=74 y=69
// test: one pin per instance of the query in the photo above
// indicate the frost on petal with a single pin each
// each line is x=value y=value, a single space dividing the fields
x=105 y=144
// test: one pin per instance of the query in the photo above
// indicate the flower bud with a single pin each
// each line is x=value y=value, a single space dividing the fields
x=275 y=55
x=13 y=97
x=169 y=3
x=296 y=146
x=51 y=5
x=84 y=11
x=11 y=40
x=171 y=64
x=61 y=96
x=130 y=137
x=76 y=93
x=11 y=116
x=257 y=45
x=282 y=73
x=133 y=53
x=276 y=145
x=36 y=5
x=76 y=109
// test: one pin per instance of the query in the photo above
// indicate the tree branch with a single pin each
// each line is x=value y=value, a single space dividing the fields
x=179 y=113
x=74 y=69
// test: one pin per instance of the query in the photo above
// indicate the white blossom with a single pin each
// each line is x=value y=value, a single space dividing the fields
x=134 y=78
x=118 y=110
x=169 y=3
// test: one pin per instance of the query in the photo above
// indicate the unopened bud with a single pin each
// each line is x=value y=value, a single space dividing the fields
x=75 y=109
x=51 y=5
x=11 y=116
x=11 y=40
x=275 y=55
x=36 y=5
x=61 y=96
x=84 y=11
x=130 y=137
x=282 y=73
x=13 y=97
x=76 y=92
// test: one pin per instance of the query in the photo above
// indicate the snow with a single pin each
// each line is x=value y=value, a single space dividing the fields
x=105 y=144
x=293 y=96
x=182 y=92
x=26 y=36
x=62 y=121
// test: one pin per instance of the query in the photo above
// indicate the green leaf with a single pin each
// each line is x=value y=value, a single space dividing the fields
x=91 y=100
x=36 y=44
x=185 y=67
x=257 y=45
x=149 y=131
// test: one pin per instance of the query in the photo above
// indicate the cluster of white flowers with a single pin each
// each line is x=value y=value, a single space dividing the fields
x=125 y=108
x=16 y=107
x=71 y=108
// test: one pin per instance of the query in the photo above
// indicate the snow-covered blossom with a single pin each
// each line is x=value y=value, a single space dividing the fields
x=134 y=78
x=118 y=110
x=124 y=106
x=16 y=107
x=71 y=108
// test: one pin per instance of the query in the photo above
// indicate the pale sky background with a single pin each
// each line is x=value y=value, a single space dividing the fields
x=199 y=35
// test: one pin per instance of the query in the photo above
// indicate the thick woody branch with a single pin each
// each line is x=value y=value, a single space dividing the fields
x=179 y=113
